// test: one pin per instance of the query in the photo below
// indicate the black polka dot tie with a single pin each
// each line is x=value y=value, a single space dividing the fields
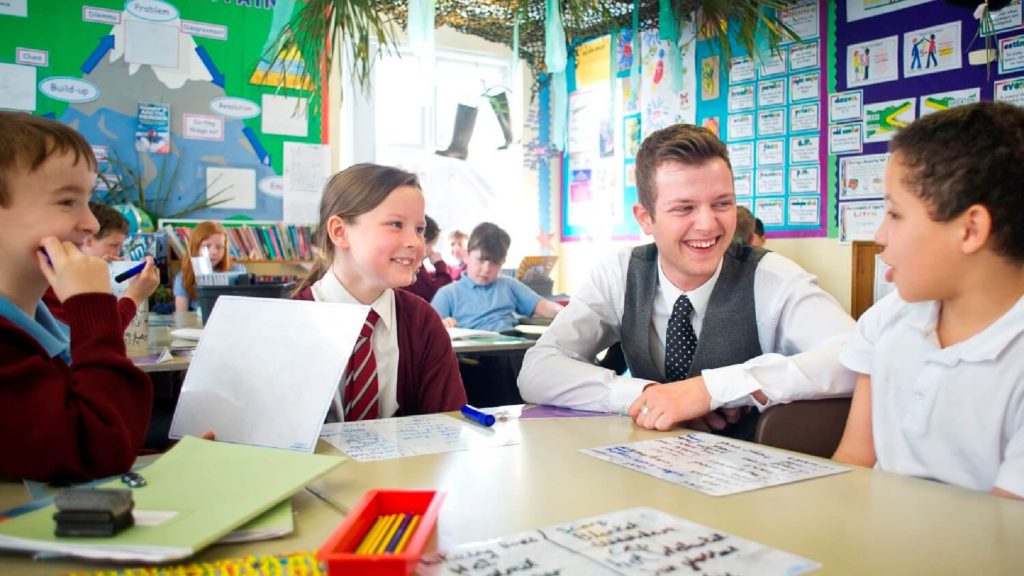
x=680 y=340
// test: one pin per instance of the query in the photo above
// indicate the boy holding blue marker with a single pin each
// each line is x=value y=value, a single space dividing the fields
x=106 y=244
x=72 y=405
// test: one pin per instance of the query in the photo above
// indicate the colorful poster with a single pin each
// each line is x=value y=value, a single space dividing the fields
x=773 y=64
x=804 y=149
x=742 y=70
x=743 y=183
x=709 y=78
x=771 y=93
x=846 y=106
x=802 y=18
x=1008 y=18
x=803 y=56
x=883 y=119
x=804 y=86
x=805 y=210
x=804 y=118
x=771 y=152
x=153 y=131
x=771 y=182
x=592 y=61
x=741 y=126
x=771 y=122
x=741 y=155
x=771 y=211
x=933 y=103
x=741 y=98
x=862 y=176
x=1011 y=54
x=861 y=9
x=845 y=138
x=660 y=105
x=872 y=62
x=1010 y=91
x=803 y=180
x=860 y=220
x=931 y=50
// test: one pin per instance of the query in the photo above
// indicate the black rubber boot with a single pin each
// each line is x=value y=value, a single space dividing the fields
x=465 y=121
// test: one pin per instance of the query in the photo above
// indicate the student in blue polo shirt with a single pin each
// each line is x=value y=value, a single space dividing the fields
x=482 y=298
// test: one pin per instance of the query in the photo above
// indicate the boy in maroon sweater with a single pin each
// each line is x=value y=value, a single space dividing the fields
x=72 y=406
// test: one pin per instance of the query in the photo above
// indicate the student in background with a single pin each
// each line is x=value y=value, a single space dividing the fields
x=214 y=238
x=744 y=226
x=940 y=391
x=427 y=282
x=704 y=323
x=457 y=241
x=758 y=238
x=483 y=299
x=106 y=244
x=72 y=405
x=370 y=238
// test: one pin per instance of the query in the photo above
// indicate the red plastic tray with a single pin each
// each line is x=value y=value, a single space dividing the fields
x=338 y=552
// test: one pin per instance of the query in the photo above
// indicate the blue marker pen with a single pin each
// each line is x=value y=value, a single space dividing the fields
x=133 y=271
x=45 y=253
x=481 y=418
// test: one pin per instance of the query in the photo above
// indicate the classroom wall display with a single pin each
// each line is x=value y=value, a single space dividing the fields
x=609 y=115
x=896 y=61
x=770 y=114
x=172 y=88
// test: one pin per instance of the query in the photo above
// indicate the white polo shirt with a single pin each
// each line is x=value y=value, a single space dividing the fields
x=952 y=414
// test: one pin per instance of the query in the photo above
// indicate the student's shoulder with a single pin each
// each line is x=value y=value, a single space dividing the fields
x=892 y=310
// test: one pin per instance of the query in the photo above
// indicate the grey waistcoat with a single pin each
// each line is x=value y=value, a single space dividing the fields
x=729 y=332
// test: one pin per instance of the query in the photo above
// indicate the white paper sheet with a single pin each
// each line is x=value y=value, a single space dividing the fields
x=149 y=43
x=389 y=438
x=238 y=184
x=285 y=115
x=17 y=87
x=712 y=464
x=266 y=370
x=306 y=168
x=633 y=541
x=14 y=8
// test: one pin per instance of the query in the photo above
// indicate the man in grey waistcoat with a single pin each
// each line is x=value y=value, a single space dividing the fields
x=709 y=329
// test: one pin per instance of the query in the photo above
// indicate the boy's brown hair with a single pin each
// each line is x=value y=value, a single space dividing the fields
x=745 y=225
x=110 y=221
x=969 y=155
x=684 y=143
x=27 y=141
x=491 y=241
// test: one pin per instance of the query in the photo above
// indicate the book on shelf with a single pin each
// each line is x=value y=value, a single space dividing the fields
x=250 y=240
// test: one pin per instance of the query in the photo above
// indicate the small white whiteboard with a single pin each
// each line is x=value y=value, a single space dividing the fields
x=266 y=370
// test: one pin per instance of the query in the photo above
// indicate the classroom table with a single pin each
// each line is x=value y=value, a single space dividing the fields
x=160 y=326
x=858 y=522
x=314 y=522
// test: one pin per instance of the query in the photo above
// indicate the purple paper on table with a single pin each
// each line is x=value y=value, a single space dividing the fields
x=542 y=411
x=145 y=359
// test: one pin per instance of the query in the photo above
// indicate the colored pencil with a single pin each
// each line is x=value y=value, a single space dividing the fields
x=372 y=546
x=393 y=542
x=392 y=528
x=371 y=534
x=408 y=532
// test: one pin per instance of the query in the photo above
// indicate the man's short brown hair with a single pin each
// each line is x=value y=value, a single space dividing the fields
x=684 y=143
x=972 y=154
x=26 y=141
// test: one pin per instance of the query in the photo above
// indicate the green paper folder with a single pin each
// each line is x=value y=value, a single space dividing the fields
x=201 y=489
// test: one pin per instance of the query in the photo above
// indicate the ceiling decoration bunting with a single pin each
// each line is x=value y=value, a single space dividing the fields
x=556 y=56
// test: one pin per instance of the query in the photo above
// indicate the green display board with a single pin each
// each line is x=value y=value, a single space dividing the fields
x=174 y=90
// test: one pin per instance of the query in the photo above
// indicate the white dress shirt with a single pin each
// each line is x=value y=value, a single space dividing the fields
x=954 y=414
x=800 y=327
x=384 y=342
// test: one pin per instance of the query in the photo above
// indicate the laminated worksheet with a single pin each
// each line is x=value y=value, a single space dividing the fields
x=633 y=541
x=387 y=438
x=714 y=465
x=266 y=371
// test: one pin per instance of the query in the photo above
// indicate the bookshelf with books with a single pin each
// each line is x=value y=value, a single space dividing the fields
x=251 y=241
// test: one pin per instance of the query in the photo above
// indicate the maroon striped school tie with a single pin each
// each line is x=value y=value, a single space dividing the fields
x=361 y=389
